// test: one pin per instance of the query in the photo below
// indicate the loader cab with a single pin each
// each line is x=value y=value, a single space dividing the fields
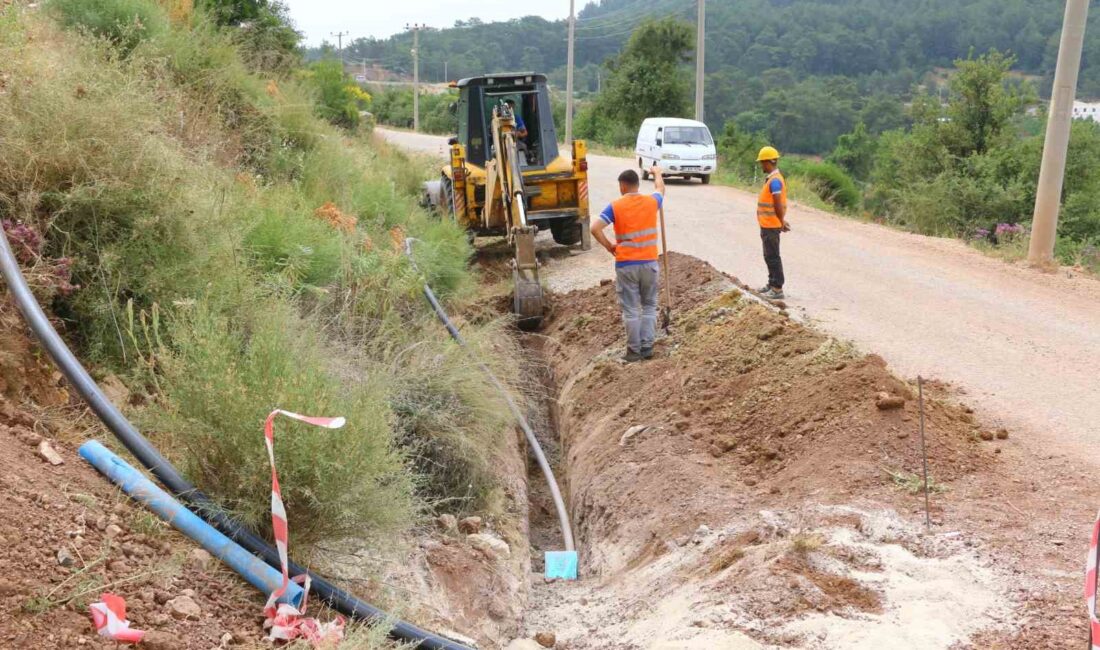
x=478 y=96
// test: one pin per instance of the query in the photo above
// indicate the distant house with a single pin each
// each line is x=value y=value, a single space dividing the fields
x=1086 y=111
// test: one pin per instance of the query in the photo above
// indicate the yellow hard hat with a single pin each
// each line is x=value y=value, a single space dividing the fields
x=768 y=153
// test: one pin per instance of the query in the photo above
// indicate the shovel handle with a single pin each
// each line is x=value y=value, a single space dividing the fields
x=668 y=278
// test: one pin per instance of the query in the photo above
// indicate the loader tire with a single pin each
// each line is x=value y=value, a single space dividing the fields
x=567 y=234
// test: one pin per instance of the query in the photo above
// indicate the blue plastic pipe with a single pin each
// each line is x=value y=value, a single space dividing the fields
x=261 y=576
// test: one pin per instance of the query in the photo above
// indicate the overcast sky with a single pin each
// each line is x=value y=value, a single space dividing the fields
x=318 y=19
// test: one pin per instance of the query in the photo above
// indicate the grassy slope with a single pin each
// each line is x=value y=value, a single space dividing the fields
x=195 y=201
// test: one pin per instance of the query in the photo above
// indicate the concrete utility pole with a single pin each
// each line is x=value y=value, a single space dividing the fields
x=1044 y=225
x=700 y=55
x=415 y=27
x=569 y=78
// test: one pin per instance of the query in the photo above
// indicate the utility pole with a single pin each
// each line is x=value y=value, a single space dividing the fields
x=569 y=78
x=446 y=79
x=415 y=27
x=1044 y=224
x=339 y=43
x=700 y=54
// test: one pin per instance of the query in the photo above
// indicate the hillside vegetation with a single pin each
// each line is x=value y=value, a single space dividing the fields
x=765 y=53
x=206 y=219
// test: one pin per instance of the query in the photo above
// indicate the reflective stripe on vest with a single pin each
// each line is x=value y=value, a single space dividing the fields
x=635 y=228
x=636 y=235
x=765 y=203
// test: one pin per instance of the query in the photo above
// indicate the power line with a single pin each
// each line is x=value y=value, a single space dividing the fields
x=629 y=30
x=616 y=16
x=636 y=17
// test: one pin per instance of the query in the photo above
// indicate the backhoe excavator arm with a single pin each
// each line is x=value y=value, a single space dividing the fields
x=504 y=172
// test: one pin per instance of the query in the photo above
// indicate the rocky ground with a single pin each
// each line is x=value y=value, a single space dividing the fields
x=757 y=485
x=66 y=536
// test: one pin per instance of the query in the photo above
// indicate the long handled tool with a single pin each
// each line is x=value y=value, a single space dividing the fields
x=924 y=453
x=666 y=314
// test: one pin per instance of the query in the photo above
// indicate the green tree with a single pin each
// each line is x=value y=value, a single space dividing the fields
x=855 y=152
x=237 y=12
x=268 y=39
x=336 y=101
x=646 y=78
x=982 y=102
x=738 y=150
x=882 y=113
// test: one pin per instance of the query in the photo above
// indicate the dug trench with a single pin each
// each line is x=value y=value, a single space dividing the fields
x=757 y=485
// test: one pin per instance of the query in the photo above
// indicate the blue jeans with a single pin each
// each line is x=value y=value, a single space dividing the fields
x=637 y=286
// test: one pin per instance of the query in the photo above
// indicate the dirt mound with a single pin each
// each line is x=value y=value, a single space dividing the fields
x=25 y=374
x=716 y=475
x=740 y=400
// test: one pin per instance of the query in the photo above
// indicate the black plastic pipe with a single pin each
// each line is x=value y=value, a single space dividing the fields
x=152 y=460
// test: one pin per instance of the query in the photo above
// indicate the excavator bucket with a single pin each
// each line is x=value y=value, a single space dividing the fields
x=527 y=300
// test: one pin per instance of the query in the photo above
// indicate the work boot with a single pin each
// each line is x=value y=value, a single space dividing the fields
x=773 y=294
x=631 y=356
x=647 y=353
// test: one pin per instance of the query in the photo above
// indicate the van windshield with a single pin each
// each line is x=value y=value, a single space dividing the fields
x=687 y=135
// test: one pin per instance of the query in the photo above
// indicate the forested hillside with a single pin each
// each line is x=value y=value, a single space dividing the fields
x=884 y=44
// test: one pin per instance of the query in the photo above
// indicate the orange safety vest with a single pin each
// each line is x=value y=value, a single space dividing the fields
x=765 y=203
x=635 y=228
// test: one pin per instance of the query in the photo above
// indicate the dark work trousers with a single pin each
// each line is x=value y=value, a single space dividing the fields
x=770 y=237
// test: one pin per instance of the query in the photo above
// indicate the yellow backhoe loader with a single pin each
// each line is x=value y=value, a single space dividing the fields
x=506 y=177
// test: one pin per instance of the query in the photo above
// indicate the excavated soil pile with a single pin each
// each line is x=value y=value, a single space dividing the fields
x=747 y=477
x=740 y=399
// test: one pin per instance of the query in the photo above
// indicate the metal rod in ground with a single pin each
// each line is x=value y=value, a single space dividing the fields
x=923 y=452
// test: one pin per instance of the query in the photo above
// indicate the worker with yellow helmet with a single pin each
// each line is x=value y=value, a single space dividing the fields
x=771 y=214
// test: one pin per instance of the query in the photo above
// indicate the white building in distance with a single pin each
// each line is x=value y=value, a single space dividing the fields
x=1086 y=111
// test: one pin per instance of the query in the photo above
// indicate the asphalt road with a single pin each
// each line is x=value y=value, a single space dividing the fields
x=1024 y=345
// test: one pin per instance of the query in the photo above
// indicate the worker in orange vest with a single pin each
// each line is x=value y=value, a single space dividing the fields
x=637 y=276
x=771 y=214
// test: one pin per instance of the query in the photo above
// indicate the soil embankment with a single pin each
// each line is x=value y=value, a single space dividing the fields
x=756 y=484
x=67 y=535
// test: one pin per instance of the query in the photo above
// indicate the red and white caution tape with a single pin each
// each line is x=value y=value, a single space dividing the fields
x=284 y=621
x=109 y=617
x=1090 y=587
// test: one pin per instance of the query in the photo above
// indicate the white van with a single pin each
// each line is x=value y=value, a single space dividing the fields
x=681 y=147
